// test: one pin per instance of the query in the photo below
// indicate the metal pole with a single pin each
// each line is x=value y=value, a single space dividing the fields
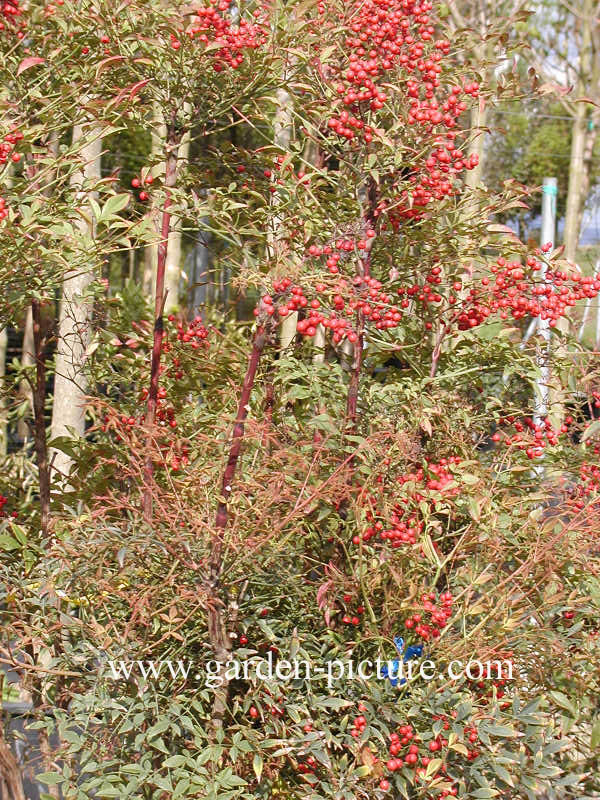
x=548 y=235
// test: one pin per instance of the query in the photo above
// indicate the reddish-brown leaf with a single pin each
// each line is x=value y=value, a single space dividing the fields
x=31 y=61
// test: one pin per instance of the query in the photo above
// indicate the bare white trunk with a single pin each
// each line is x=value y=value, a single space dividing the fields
x=319 y=343
x=477 y=146
x=587 y=72
x=174 y=265
x=575 y=197
x=282 y=126
x=159 y=140
x=70 y=384
x=479 y=113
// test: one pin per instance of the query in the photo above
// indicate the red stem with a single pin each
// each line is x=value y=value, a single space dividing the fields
x=216 y=617
x=352 y=399
x=258 y=346
x=159 y=301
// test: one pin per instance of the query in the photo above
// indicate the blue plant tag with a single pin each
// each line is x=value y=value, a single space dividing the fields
x=412 y=651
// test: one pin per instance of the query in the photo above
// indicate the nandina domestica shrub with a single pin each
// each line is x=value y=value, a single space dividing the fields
x=235 y=499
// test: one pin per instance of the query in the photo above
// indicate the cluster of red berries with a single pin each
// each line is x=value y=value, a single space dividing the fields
x=406 y=750
x=308 y=766
x=137 y=183
x=178 y=460
x=214 y=27
x=431 y=184
x=359 y=724
x=532 y=437
x=486 y=689
x=514 y=292
x=8 y=147
x=471 y=735
x=438 y=616
x=193 y=332
x=104 y=39
x=405 y=525
x=352 y=619
x=165 y=413
x=589 y=487
x=3 y=209
x=3 y=513
x=9 y=11
x=122 y=426
x=365 y=295
x=385 y=35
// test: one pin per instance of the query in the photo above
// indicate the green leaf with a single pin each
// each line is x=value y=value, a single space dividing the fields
x=175 y=761
x=433 y=767
x=113 y=206
x=570 y=780
x=501 y=730
x=591 y=430
x=7 y=542
x=563 y=701
x=131 y=769
x=109 y=791
x=503 y=773
x=257 y=766
x=595 y=737
x=50 y=778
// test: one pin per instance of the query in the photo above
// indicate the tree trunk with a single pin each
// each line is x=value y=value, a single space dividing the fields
x=172 y=145
x=25 y=393
x=282 y=129
x=319 y=344
x=575 y=199
x=159 y=137
x=477 y=145
x=39 y=419
x=173 y=267
x=588 y=158
x=479 y=116
x=75 y=317
x=577 y=165
x=198 y=272
x=11 y=782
